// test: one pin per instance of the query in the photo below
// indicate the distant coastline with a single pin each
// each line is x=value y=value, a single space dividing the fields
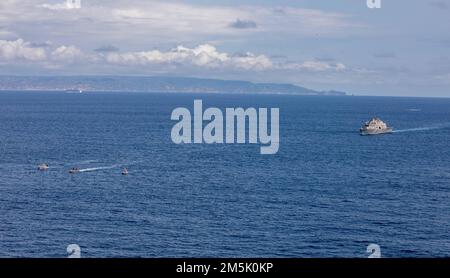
x=152 y=84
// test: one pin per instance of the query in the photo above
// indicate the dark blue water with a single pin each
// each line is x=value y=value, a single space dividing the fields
x=327 y=193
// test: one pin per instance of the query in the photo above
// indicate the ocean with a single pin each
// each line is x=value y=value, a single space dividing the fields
x=328 y=192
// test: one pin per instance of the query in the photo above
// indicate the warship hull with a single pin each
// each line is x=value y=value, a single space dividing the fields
x=376 y=132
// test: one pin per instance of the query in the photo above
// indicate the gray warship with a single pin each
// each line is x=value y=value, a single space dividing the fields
x=374 y=127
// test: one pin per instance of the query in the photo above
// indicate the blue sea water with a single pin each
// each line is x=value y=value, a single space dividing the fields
x=328 y=192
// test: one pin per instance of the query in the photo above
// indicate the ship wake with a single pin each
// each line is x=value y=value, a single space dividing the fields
x=444 y=126
x=98 y=168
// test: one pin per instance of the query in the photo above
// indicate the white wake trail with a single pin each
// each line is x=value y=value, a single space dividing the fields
x=422 y=128
x=98 y=168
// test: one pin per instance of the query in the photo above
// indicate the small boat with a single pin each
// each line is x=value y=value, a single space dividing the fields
x=125 y=171
x=374 y=127
x=43 y=167
x=74 y=170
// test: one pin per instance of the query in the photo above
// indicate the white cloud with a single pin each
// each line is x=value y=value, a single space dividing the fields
x=201 y=56
x=136 y=27
x=20 y=50
x=207 y=56
x=67 y=5
x=214 y=19
x=166 y=22
x=66 y=54
x=164 y=16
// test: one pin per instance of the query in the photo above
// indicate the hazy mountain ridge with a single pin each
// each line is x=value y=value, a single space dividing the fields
x=151 y=84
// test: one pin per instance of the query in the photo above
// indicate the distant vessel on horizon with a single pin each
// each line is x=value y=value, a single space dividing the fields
x=74 y=91
x=375 y=126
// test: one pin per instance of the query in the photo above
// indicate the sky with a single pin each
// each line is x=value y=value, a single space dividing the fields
x=400 y=49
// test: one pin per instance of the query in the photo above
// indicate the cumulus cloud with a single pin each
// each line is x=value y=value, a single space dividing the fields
x=208 y=56
x=20 y=50
x=204 y=55
x=67 y=5
x=66 y=54
x=243 y=24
